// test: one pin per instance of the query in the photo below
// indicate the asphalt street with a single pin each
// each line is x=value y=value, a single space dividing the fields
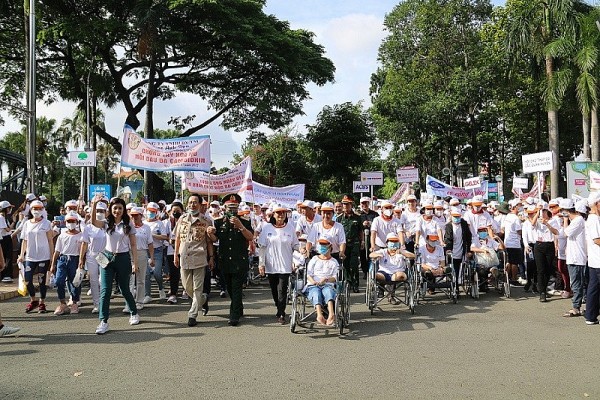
x=515 y=348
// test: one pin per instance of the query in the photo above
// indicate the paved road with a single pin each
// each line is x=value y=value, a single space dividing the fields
x=512 y=348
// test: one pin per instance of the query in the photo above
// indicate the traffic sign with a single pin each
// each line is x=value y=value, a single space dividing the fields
x=373 y=178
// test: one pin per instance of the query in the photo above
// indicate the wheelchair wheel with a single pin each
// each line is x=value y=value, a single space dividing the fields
x=294 y=314
x=506 y=285
x=453 y=287
x=347 y=307
x=475 y=286
x=411 y=295
x=339 y=310
x=371 y=296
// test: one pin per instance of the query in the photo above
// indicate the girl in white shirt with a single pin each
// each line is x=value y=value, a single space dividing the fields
x=37 y=247
x=65 y=262
x=145 y=257
x=120 y=252
x=277 y=241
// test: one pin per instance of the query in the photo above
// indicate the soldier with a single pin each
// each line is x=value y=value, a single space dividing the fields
x=367 y=216
x=354 y=240
x=233 y=235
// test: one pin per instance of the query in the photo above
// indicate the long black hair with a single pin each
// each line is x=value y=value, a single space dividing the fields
x=110 y=219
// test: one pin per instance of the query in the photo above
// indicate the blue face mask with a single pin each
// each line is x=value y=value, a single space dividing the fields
x=482 y=235
x=151 y=215
x=323 y=249
x=456 y=220
x=393 y=245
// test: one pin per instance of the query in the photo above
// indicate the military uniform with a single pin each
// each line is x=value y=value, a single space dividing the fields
x=233 y=261
x=364 y=261
x=353 y=229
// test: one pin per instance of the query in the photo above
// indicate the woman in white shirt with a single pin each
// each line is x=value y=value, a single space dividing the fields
x=93 y=242
x=120 y=252
x=277 y=241
x=6 y=240
x=37 y=247
x=145 y=258
x=321 y=276
x=574 y=230
x=65 y=263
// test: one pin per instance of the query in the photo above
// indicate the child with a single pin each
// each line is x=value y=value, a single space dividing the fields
x=65 y=262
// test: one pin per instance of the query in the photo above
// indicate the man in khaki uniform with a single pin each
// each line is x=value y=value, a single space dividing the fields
x=194 y=251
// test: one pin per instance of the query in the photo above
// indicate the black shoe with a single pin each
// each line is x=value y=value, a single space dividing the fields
x=527 y=286
x=192 y=322
x=204 y=310
x=233 y=322
x=543 y=298
x=365 y=276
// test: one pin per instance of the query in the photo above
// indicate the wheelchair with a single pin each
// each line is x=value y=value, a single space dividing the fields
x=471 y=280
x=301 y=316
x=502 y=279
x=389 y=289
x=447 y=282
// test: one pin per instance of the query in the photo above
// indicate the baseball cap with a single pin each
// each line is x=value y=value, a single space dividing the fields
x=411 y=197
x=324 y=238
x=130 y=206
x=566 y=204
x=101 y=206
x=386 y=204
x=391 y=237
x=477 y=200
x=308 y=204
x=455 y=211
x=152 y=206
x=30 y=197
x=581 y=206
x=363 y=199
x=71 y=203
x=72 y=216
x=4 y=204
x=137 y=210
x=531 y=209
x=327 y=206
x=594 y=198
x=37 y=204
x=348 y=198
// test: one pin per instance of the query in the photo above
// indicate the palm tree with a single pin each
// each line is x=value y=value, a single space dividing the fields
x=541 y=30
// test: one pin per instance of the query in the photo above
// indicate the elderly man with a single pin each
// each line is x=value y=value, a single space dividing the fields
x=367 y=216
x=233 y=235
x=194 y=252
x=354 y=240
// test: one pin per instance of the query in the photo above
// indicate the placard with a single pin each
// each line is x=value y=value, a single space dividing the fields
x=407 y=175
x=359 y=187
x=472 y=183
x=520 y=183
x=82 y=158
x=104 y=190
x=373 y=178
x=538 y=162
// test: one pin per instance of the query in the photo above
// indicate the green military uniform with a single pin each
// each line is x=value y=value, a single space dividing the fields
x=233 y=261
x=352 y=224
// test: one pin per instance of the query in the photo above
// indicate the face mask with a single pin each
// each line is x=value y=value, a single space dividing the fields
x=428 y=213
x=387 y=212
x=456 y=220
x=176 y=214
x=194 y=212
x=36 y=213
x=482 y=235
x=432 y=243
x=565 y=213
x=323 y=249
x=72 y=225
x=439 y=213
x=151 y=215
x=100 y=216
x=393 y=245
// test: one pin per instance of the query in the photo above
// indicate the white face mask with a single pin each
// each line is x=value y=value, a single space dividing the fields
x=72 y=225
x=428 y=212
x=439 y=213
x=387 y=212
x=100 y=216
x=36 y=213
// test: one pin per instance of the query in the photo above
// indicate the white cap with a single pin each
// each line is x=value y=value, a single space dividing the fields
x=530 y=200
x=152 y=206
x=303 y=237
x=177 y=201
x=454 y=201
x=325 y=238
x=593 y=198
x=514 y=202
x=411 y=197
x=327 y=206
x=72 y=215
x=531 y=209
x=386 y=203
x=43 y=198
x=276 y=207
x=392 y=237
x=137 y=210
x=397 y=207
x=477 y=199
x=130 y=206
x=455 y=211
x=566 y=204
x=308 y=204
x=581 y=206
x=553 y=202
x=101 y=206
x=215 y=203
x=317 y=204
x=37 y=204
x=4 y=204
x=164 y=203
x=71 y=203
x=427 y=204
x=438 y=204
x=30 y=197
x=365 y=198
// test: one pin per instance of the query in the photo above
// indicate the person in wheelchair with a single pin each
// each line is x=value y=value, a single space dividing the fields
x=321 y=278
x=392 y=264
x=484 y=249
x=433 y=260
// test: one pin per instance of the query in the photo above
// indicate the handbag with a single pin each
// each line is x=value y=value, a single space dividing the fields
x=104 y=258
x=78 y=277
x=487 y=260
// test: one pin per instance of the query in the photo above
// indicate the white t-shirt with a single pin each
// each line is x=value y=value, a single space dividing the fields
x=543 y=233
x=511 y=226
x=592 y=231
x=143 y=237
x=303 y=226
x=391 y=264
x=576 y=248
x=441 y=222
x=433 y=258
x=476 y=221
x=425 y=228
x=157 y=227
x=278 y=244
x=3 y=226
x=67 y=244
x=529 y=232
x=488 y=243
x=498 y=222
x=319 y=269
x=562 y=239
x=381 y=227
x=410 y=226
x=117 y=241
x=38 y=248
x=95 y=238
x=336 y=232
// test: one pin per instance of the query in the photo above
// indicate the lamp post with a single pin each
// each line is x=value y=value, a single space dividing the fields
x=31 y=111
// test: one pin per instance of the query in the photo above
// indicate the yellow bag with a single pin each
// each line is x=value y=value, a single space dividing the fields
x=22 y=289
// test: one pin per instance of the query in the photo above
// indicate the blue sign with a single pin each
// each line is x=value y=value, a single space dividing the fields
x=104 y=190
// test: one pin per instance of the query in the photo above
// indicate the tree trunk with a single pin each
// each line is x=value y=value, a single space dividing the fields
x=474 y=146
x=553 y=137
x=153 y=184
x=586 y=135
x=594 y=134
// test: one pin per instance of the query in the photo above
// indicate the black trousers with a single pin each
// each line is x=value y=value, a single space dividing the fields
x=7 y=249
x=544 y=260
x=279 y=288
x=234 y=283
x=174 y=275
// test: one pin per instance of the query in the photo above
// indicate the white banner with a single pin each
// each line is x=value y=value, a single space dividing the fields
x=359 y=187
x=82 y=158
x=407 y=175
x=472 y=183
x=372 y=178
x=236 y=180
x=181 y=154
x=436 y=187
x=287 y=196
x=520 y=183
x=537 y=162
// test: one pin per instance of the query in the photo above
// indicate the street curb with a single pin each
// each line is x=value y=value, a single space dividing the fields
x=9 y=295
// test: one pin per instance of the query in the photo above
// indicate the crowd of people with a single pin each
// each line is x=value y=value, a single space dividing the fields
x=552 y=248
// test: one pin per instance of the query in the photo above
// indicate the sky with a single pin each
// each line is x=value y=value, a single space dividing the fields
x=350 y=31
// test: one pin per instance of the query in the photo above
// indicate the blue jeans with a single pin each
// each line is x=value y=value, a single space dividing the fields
x=121 y=267
x=593 y=295
x=576 y=278
x=42 y=268
x=66 y=267
x=157 y=272
x=321 y=294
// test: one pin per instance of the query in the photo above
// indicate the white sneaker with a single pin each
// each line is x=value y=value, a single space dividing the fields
x=139 y=306
x=134 y=319
x=70 y=302
x=95 y=310
x=102 y=328
x=147 y=299
x=8 y=330
x=162 y=295
x=7 y=279
x=89 y=292
x=522 y=281
x=184 y=295
x=172 y=300
x=126 y=310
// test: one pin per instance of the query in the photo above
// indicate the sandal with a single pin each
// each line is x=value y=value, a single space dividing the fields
x=572 y=314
